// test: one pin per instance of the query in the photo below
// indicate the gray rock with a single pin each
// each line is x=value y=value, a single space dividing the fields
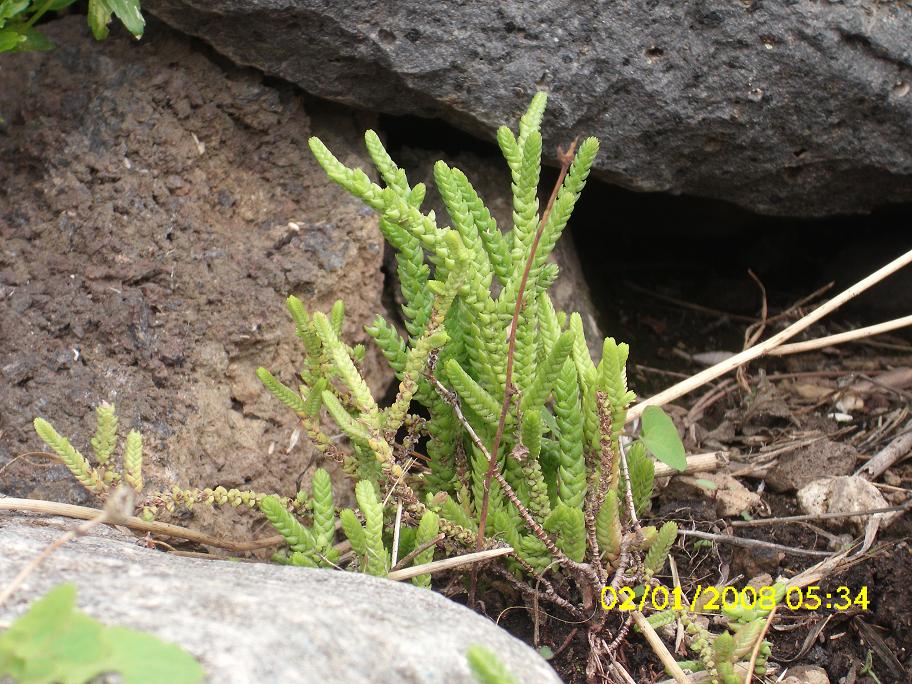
x=250 y=622
x=790 y=108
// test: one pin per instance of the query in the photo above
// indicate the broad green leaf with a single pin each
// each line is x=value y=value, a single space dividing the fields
x=144 y=659
x=128 y=13
x=10 y=8
x=53 y=643
x=486 y=666
x=9 y=40
x=75 y=654
x=661 y=438
x=35 y=41
x=45 y=616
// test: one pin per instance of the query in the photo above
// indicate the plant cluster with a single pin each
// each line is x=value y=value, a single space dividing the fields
x=557 y=466
x=19 y=17
x=522 y=431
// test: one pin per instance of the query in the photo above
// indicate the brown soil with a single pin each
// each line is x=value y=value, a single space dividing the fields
x=745 y=426
x=156 y=209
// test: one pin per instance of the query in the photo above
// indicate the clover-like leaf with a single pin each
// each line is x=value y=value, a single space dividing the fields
x=661 y=438
x=56 y=643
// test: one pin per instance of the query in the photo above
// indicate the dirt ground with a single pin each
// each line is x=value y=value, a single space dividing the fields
x=156 y=209
x=765 y=436
x=778 y=437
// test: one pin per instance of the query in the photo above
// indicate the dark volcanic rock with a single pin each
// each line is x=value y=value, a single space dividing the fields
x=782 y=107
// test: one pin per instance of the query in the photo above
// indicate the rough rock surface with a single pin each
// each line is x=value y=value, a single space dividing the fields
x=793 y=108
x=845 y=494
x=248 y=622
x=155 y=211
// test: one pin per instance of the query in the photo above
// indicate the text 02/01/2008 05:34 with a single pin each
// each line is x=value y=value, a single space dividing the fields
x=751 y=598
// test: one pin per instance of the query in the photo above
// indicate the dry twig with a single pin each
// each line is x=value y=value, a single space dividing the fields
x=895 y=451
x=840 y=338
x=117 y=507
x=449 y=563
x=405 y=560
x=713 y=372
x=757 y=644
x=659 y=648
x=134 y=523
x=748 y=543
x=760 y=522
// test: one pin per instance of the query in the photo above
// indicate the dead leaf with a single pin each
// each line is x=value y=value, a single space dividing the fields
x=731 y=497
x=807 y=390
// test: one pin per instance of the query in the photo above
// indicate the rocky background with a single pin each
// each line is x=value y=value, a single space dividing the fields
x=791 y=108
x=158 y=202
x=316 y=626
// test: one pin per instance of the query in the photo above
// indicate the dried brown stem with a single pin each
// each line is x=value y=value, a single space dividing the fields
x=754 y=331
x=756 y=650
x=134 y=523
x=405 y=560
x=840 y=338
x=748 y=543
x=449 y=563
x=759 y=522
x=895 y=451
x=114 y=512
x=659 y=648
x=549 y=594
x=700 y=379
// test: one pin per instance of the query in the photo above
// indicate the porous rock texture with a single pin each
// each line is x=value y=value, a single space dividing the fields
x=157 y=208
x=155 y=211
x=791 y=108
x=251 y=622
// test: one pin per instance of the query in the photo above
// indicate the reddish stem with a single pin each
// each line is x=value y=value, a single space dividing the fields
x=565 y=158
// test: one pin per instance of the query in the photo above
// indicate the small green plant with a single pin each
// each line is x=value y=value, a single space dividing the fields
x=558 y=447
x=101 y=478
x=523 y=430
x=19 y=17
x=486 y=667
x=719 y=653
x=310 y=545
x=55 y=642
